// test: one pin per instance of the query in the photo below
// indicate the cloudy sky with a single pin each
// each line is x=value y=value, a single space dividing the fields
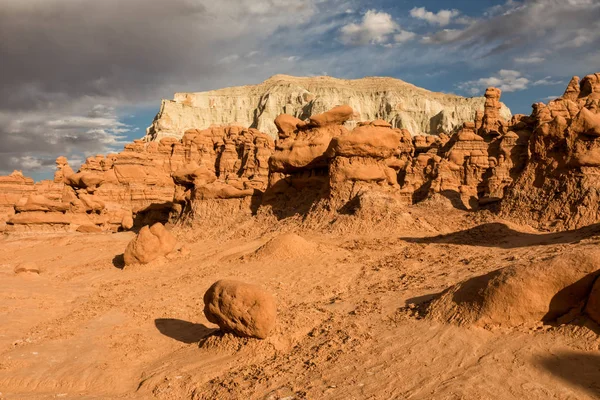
x=82 y=77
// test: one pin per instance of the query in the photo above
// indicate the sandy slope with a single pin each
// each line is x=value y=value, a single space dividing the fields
x=349 y=325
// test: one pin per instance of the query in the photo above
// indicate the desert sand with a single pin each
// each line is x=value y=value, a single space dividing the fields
x=350 y=314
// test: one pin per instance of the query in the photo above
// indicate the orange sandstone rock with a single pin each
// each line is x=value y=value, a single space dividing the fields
x=240 y=308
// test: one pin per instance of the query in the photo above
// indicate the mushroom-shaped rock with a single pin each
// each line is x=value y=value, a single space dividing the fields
x=365 y=141
x=240 y=308
x=336 y=116
x=84 y=180
x=286 y=125
x=151 y=243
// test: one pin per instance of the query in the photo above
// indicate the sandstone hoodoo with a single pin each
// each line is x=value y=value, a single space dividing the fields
x=240 y=308
x=151 y=243
x=399 y=103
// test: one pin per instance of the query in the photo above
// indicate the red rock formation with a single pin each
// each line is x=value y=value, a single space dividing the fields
x=560 y=186
x=541 y=168
x=147 y=182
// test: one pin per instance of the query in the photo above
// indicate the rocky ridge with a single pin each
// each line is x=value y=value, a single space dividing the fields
x=399 y=103
x=541 y=169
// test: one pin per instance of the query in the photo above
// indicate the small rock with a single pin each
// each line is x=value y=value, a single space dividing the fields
x=89 y=229
x=27 y=268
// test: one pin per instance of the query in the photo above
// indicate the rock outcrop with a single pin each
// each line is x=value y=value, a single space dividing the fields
x=399 y=103
x=143 y=184
x=542 y=170
x=240 y=308
x=560 y=185
x=151 y=242
x=14 y=189
x=547 y=291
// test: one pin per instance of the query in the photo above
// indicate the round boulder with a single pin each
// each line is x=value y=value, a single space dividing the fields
x=151 y=243
x=240 y=308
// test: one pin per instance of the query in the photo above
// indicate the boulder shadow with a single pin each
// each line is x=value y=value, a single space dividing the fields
x=502 y=236
x=578 y=369
x=183 y=331
x=119 y=261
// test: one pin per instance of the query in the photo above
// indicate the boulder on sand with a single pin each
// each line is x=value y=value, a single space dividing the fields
x=151 y=243
x=240 y=308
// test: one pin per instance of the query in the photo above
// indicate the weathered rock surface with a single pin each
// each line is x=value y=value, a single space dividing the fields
x=399 y=103
x=560 y=186
x=524 y=294
x=240 y=308
x=151 y=243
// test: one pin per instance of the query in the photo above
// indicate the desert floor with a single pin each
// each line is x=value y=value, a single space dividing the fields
x=350 y=320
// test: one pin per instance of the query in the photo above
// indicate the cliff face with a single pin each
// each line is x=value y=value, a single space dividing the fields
x=399 y=103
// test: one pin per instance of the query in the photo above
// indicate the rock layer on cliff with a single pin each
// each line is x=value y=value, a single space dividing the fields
x=399 y=103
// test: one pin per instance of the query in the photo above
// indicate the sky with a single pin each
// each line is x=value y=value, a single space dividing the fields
x=84 y=77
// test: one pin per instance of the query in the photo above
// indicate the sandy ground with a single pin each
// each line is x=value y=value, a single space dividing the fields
x=350 y=323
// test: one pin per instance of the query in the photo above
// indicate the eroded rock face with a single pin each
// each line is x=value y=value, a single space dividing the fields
x=240 y=308
x=145 y=183
x=542 y=169
x=150 y=243
x=401 y=104
x=560 y=185
x=13 y=189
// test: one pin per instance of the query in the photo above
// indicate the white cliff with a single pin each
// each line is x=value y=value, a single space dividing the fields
x=397 y=102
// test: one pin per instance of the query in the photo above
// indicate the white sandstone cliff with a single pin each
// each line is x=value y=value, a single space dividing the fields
x=397 y=102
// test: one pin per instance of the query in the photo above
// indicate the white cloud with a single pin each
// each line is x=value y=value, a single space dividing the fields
x=34 y=139
x=547 y=81
x=229 y=59
x=441 y=18
x=529 y=60
x=445 y=35
x=404 y=36
x=506 y=80
x=375 y=28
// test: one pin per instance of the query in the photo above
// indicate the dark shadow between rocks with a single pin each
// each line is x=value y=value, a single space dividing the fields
x=502 y=236
x=455 y=199
x=155 y=212
x=183 y=331
x=296 y=195
x=567 y=297
x=577 y=369
x=119 y=261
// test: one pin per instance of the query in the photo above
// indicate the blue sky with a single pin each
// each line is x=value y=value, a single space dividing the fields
x=82 y=77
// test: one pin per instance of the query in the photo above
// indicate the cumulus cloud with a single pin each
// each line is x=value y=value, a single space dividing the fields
x=506 y=80
x=375 y=28
x=441 y=18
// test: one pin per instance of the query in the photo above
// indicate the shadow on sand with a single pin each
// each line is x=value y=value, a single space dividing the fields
x=119 y=261
x=183 y=331
x=579 y=369
x=501 y=235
